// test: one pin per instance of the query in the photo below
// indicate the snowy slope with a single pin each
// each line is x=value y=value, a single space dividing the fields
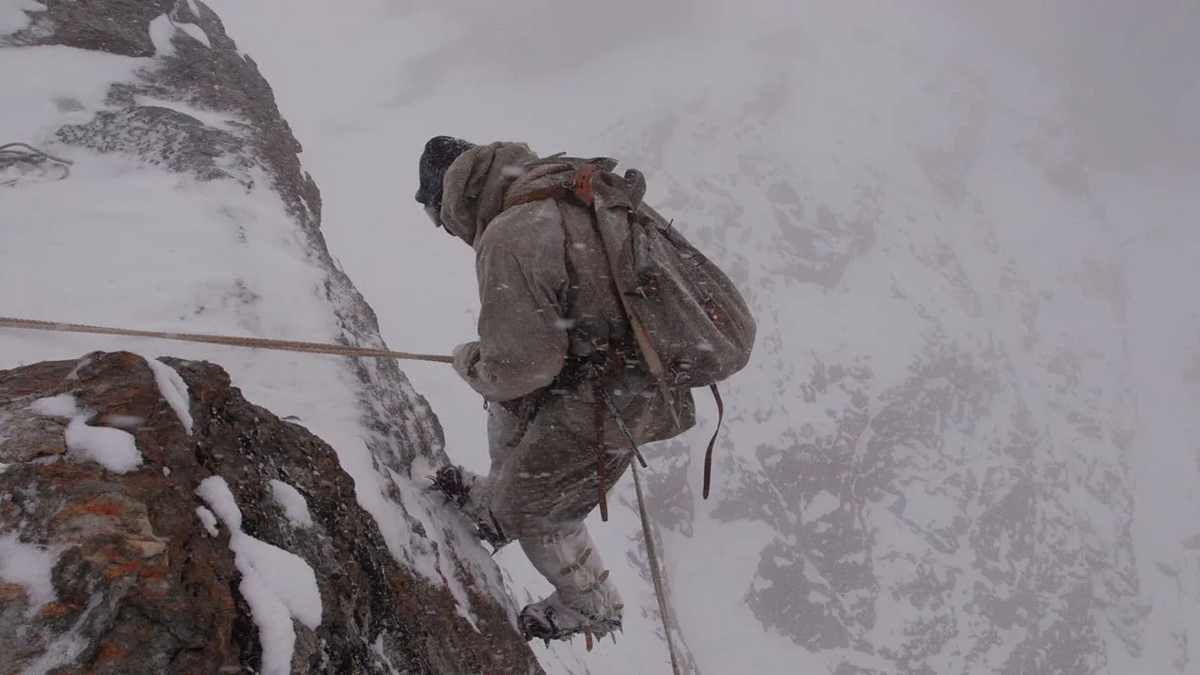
x=966 y=443
x=185 y=209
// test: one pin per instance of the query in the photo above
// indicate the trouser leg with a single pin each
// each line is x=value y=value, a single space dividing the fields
x=480 y=488
x=542 y=486
x=570 y=562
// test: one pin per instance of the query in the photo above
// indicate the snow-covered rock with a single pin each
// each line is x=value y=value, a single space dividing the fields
x=174 y=200
x=201 y=568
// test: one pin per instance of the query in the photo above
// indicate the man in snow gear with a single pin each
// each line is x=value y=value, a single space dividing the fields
x=561 y=357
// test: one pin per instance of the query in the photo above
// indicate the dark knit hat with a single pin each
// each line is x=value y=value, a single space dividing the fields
x=440 y=152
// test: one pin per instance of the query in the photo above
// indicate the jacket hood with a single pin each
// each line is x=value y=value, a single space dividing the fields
x=474 y=186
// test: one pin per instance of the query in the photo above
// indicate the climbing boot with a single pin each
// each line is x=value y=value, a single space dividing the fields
x=553 y=619
x=456 y=486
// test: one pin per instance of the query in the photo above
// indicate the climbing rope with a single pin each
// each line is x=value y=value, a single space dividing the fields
x=655 y=571
x=18 y=154
x=229 y=340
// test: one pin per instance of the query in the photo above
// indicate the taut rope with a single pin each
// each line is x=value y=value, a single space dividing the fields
x=229 y=340
x=345 y=350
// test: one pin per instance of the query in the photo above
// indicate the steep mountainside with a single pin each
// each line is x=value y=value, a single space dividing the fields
x=966 y=440
x=185 y=208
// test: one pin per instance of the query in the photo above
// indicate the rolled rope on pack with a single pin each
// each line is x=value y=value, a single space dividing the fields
x=228 y=340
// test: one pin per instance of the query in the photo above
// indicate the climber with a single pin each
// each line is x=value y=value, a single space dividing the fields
x=551 y=330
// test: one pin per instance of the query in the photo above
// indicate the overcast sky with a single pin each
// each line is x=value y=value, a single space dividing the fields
x=1127 y=70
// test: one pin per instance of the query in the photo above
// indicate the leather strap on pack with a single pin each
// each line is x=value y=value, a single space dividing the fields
x=713 y=441
x=578 y=186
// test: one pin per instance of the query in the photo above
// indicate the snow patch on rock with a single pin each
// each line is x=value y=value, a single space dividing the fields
x=295 y=507
x=14 y=16
x=195 y=32
x=208 y=520
x=113 y=449
x=161 y=32
x=62 y=405
x=30 y=566
x=174 y=389
x=278 y=584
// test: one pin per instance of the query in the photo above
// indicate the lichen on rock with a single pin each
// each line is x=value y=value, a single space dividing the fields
x=111 y=572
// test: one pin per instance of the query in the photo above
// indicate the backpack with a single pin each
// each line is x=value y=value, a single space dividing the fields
x=692 y=326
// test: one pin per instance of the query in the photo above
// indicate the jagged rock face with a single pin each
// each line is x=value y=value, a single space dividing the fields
x=138 y=571
x=196 y=64
x=187 y=175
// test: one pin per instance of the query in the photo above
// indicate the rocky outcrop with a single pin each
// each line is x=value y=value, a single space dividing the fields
x=128 y=544
x=200 y=107
x=137 y=563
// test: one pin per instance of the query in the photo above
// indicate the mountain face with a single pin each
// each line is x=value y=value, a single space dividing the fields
x=154 y=520
x=944 y=430
x=173 y=199
x=966 y=438
x=183 y=63
x=966 y=442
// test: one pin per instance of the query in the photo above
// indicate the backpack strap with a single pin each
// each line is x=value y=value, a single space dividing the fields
x=712 y=441
x=578 y=185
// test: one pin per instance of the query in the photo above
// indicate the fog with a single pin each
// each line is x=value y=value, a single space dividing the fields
x=1128 y=73
x=966 y=442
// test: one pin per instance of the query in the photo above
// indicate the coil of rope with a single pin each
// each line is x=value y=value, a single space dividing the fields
x=24 y=155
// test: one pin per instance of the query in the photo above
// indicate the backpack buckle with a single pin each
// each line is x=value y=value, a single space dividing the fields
x=580 y=184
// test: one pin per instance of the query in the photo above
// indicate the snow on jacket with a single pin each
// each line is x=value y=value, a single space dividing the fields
x=545 y=294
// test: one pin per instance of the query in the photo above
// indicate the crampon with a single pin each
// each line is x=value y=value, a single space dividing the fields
x=548 y=621
x=450 y=482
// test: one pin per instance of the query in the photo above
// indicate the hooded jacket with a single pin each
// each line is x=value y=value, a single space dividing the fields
x=545 y=294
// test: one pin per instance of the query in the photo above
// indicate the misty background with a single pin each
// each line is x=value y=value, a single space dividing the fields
x=1127 y=72
x=967 y=442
